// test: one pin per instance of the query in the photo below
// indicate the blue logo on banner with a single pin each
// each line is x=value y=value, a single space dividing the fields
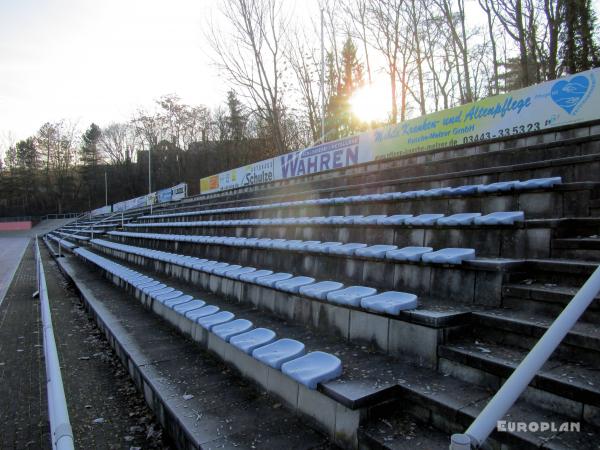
x=568 y=94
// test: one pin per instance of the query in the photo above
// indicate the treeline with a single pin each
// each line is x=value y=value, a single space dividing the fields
x=431 y=54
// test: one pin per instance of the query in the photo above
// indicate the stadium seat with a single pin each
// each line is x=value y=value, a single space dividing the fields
x=251 y=340
x=229 y=329
x=449 y=256
x=208 y=322
x=391 y=302
x=458 y=219
x=500 y=218
x=350 y=296
x=198 y=313
x=279 y=352
x=407 y=253
x=374 y=251
x=294 y=284
x=313 y=368
x=423 y=219
x=321 y=289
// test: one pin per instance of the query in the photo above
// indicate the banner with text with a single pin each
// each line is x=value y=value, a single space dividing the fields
x=573 y=99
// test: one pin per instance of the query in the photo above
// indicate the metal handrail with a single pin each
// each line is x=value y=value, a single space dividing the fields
x=510 y=391
x=60 y=426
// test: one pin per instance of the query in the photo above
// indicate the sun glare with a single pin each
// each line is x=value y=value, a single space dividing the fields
x=371 y=103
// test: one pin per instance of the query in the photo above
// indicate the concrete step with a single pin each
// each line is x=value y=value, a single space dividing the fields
x=559 y=271
x=561 y=386
x=371 y=381
x=587 y=249
x=545 y=298
x=522 y=330
x=472 y=282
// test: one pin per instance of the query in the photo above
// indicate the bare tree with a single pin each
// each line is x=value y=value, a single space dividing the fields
x=252 y=57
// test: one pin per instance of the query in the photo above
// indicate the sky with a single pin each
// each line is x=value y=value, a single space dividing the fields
x=100 y=60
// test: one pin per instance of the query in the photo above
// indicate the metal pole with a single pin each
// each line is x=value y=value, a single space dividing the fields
x=150 y=174
x=105 y=189
x=510 y=391
x=322 y=77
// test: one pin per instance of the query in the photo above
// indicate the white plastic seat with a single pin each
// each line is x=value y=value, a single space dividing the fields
x=208 y=322
x=279 y=352
x=313 y=368
x=229 y=329
x=347 y=220
x=408 y=253
x=458 y=219
x=351 y=295
x=396 y=219
x=500 y=218
x=321 y=289
x=253 y=276
x=346 y=249
x=423 y=219
x=375 y=251
x=294 y=284
x=449 y=256
x=391 y=302
x=253 y=339
x=270 y=280
x=539 y=183
x=204 y=311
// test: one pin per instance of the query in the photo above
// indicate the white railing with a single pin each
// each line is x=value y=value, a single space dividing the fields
x=510 y=391
x=60 y=426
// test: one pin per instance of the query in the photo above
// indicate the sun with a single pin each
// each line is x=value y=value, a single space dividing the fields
x=371 y=103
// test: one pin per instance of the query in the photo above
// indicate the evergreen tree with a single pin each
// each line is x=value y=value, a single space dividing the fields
x=90 y=160
x=579 y=50
x=340 y=121
x=236 y=122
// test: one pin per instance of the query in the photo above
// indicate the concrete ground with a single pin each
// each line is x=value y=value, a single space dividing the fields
x=106 y=411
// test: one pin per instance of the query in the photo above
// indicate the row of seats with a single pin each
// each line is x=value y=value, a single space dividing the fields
x=74 y=235
x=386 y=252
x=287 y=355
x=64 y=243
x=390 y=302
x=499 y=187
x=460 y=219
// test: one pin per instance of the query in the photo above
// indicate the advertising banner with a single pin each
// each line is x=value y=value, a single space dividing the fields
x=556 y=103
x=102 y=210
x=178 y=192
x=164 y=195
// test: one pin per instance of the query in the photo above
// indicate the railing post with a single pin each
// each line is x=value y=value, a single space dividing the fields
x=510 y=391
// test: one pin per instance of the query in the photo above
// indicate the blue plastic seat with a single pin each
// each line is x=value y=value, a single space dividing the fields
x=423 y=219
x=501 y=218
x=156 y=293
x=171 y=303
x=322 y=247
x=412 y=194
x=223 y=271
x=370 y=220
x=253 y=276
x=294 y=284
x=208 y=322
x=253 y=339
x=449 y=255
x=279 y=352
x=346 y=249
x=437 y=192
x=229 y=329
x=408 y=253
x=204 y=311
x=391 y=302
x=539 y=183
x=213 y=267
x=183 y=308
x=299 y=246
x=270 y=280
x=396 y=219
x=168 y=296
x=235 y=274
x=351 y=295
x=501 y=186
x=458 y=219
x=321 y=289
x=313 y=368
x=375 y=251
